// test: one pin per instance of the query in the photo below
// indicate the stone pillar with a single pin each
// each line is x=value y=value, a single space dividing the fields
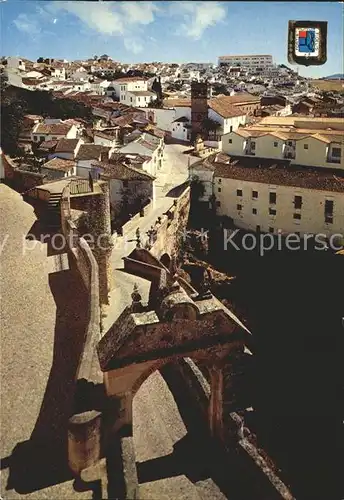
x=84 y=440
x=100 y=225
x=216 y=401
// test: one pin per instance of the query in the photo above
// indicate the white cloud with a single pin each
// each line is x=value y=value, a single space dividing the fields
x=198 y=16
x=139 y=12
x=27 y=24
x=98 y=16
x=124 y=19
x=133 y=45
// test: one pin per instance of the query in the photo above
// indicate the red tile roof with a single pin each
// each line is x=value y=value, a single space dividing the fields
x=278 y=172
x=59 y=164
x=223 y=107
x=129 y=79
x=91 y=151
x=121 y=171
x=53 y=128
x=66 y=145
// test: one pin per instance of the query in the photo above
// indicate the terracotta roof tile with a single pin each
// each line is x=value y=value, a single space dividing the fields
x=53 y=128
x=121 y=171
x=278 y=172
x=91 y=151
x=223 y=107
x=66 y=145
x=59 y=164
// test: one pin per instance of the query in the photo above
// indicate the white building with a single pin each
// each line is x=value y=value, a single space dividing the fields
x=79 y=74
x=148 y=146
x=58 y=72
x=58 y=168
x=87 y=155
x=15 y=63
x=264 y=195
x=250 y=63
x=312 y=142
x=67 y=149
x=139 y=98
x=258 y=198
x=53 y=131
x=123 y=86
x=181 y=129
x=107 y=137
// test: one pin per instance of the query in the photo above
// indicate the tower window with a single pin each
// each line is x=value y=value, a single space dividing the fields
x=297 y=201
x=272 y=198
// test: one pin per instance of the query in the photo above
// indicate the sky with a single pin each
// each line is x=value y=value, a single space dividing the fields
x=189 y=31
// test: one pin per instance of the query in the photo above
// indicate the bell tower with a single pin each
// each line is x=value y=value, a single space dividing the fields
x=199 y=109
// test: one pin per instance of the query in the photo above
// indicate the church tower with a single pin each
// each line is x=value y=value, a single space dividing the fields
x=199 y=109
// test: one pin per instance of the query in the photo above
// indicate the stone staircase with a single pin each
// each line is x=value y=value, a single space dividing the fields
x=53 y=216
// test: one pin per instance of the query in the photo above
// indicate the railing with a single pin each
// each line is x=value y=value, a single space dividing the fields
x=333 y=159
x=80 y=186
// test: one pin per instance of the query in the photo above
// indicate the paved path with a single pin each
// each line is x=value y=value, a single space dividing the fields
x=42 y=302
x=173 y=173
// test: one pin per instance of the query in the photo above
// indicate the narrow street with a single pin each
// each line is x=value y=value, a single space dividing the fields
x=158 y=425
x=173 y=173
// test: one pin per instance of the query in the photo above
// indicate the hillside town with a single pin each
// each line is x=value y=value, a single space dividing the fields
x=127 y=190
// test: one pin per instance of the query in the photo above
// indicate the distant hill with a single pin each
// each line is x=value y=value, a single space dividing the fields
x=337 y=76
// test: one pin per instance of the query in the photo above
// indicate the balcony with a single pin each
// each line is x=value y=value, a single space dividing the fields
x=333 y=159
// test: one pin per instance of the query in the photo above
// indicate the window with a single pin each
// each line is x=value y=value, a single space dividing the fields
x=290 y=143
x=272 y=198
x=254 y=211
x=218 y=203
x=329 y=211
x=239 y=207
x=219 y=180
x=239 y=192
x=297 y=201
x=254 y=195
x=272 y=211
x=297 y=216
x=258 y=229
x=219 y=190
x=275 y=144
x=231 y=129
x=125 y=183
x=230 y=141
x=305 y=146
x=253 y=146
x=42 y=138
x=336 y=152
x=131 y=99
x=271 y=229
x=35 y=138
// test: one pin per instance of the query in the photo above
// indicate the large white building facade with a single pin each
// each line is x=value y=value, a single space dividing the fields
x=252 y=63
x=281 y=176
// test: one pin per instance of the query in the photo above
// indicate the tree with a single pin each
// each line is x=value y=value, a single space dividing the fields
x=40 y=60
x=12 y=117
x=156 y=87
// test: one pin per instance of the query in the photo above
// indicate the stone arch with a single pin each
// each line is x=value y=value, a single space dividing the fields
x=165 y=259
x=144 y=376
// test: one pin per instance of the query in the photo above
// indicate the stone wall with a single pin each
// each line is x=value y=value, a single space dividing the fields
x=199 y=390
x=20 y=180
x=172 y=225
x=84 y=433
